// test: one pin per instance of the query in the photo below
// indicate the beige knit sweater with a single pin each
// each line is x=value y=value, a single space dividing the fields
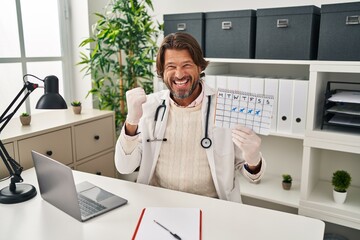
x=182 y=163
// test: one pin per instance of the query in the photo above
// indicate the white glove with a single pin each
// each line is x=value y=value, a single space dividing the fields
x=134 y=100
x=249 y=143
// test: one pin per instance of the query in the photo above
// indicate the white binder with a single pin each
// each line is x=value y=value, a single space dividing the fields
x=285 y=105
x=210 y=80
x=244 y=83
x=271 y=87
x=221 y=81
x=299 y=106
x=257 y=85
x=232 y=83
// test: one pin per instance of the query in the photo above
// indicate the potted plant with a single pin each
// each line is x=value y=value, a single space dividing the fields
x=25 y=119
x=123 y=45
x=341 y=181
x=76 y=105
x=287 y=181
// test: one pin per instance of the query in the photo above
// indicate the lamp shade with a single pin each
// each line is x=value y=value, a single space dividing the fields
x=51 y=98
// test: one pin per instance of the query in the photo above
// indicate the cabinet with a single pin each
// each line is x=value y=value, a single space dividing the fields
x=84 y=142
x=312 y=157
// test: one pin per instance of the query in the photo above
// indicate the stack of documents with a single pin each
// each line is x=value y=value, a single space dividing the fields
x=346 y=109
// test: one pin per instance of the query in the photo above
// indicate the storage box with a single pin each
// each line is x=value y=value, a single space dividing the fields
x=192 y=23
x=230 y=34
x=287 y=33
x=340 y=32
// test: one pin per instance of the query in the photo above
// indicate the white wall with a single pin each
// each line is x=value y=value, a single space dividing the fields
x=186 y=6
x=80 y=31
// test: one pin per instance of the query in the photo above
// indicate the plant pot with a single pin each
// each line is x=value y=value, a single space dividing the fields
x=77 y=109
x=286 y=185
x=25 y=120
x=339 y=197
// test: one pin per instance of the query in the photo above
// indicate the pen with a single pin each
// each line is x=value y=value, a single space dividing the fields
x=173 y=234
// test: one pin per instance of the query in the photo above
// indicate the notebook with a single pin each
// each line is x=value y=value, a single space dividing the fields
x=162 y=223
x=82 y=201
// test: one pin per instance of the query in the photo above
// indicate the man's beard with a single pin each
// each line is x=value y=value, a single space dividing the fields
x=183 y=95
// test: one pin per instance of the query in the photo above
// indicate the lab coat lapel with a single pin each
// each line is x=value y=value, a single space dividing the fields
x=210 y=150
x=160 y=131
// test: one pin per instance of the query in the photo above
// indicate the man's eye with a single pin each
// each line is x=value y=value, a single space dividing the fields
x=170 y=67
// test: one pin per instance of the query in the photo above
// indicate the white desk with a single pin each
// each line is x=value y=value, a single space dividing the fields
x=36 y=219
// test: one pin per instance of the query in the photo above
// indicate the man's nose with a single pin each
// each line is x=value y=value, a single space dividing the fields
x=179 y=73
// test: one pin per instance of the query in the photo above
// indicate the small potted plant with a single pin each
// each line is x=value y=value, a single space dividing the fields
x=76 y=107
x=341 y=181
x=25 y=119
x=286 y=182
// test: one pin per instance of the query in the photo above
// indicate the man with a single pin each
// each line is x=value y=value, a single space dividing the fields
x=171 y=134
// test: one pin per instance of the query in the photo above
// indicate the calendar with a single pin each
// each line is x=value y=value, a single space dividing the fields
x=251 y=110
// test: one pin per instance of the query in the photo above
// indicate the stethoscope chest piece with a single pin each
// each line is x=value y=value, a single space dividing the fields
x=206 y=142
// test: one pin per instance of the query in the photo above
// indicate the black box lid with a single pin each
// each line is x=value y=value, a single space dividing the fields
x=340 y=7
x=311 y=9
x=184 y=16
x=231 y=14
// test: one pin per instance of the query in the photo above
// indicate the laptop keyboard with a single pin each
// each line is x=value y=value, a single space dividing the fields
x=88 y=206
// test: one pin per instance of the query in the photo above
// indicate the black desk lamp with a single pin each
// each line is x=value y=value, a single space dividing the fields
x=51 y=99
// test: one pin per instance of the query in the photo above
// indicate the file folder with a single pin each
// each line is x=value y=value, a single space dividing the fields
x=285 y=105
x=232 y=83
x=257 y=85
x=210 y=80
x=271 y=87
x=244 y=84
x=299 y=106
x=221 y=81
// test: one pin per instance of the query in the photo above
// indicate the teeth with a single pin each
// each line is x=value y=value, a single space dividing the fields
x=181 y=82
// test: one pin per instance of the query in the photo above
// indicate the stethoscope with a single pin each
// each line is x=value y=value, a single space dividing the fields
x=205 y=141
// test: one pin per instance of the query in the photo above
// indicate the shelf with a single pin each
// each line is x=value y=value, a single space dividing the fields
x=320 y=204
x=287 y=135
x=259 y=61
x=337 y=141
x=270 y=189
x=311 y=156
x=316 y=65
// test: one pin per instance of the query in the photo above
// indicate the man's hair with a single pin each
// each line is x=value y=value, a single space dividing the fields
x=180 y=41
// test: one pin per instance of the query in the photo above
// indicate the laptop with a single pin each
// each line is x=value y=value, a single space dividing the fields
x=82 y=201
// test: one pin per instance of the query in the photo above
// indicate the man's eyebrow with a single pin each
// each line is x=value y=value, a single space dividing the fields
x=184 y=62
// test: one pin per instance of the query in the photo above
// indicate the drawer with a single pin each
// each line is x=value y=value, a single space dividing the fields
x=57 y=145
x=3 y=170
x=94 y=137
x=103 y=165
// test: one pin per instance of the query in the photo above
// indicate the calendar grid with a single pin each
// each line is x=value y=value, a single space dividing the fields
x=251 y=110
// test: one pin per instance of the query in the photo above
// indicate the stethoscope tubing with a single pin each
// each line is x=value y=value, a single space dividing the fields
x=205 y=141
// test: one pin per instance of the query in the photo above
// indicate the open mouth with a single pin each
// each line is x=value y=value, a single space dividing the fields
x=181 y=82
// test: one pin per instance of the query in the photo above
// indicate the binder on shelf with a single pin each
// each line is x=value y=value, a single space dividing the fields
x=244 y=83
x=161 y=222
x=221 y=81
x=232 y=83
x=257 y=85
x=271 y=87
x=211 y=80
x=299 y=106
x=285 y=104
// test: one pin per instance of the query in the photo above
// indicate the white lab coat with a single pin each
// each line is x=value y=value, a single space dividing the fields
x=224 y=157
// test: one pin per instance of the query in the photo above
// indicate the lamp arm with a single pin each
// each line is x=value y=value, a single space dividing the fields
x=13 y=167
